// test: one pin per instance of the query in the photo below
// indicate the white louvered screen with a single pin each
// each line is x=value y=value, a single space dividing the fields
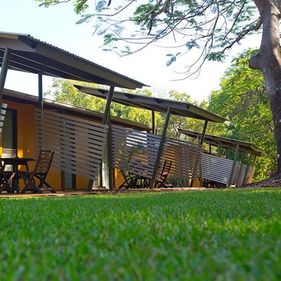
x=78 y=143
x=134 y=151
x=215 y=168
x=3 y=110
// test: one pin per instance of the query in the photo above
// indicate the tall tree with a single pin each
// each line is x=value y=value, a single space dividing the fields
x=244 y=101
x=214 y=26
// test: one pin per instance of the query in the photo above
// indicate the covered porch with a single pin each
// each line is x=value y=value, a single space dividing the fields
x=144 y=154
x=226 y=161
x=78 y=142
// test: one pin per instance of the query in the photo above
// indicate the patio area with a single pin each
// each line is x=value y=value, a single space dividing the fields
x=92 y=150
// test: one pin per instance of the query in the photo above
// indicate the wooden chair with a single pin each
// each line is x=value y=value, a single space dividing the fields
x=40 y=172
x=5 y=179
x=161 y=180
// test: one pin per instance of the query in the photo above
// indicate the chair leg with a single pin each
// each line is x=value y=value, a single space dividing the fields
x=6 y=184
x=31 y=186
x=50 y=187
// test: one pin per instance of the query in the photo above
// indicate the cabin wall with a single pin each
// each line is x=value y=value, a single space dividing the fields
x=27 y=138
x=27 y=143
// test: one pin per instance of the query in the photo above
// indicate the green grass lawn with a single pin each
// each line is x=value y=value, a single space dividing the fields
x=196 y=235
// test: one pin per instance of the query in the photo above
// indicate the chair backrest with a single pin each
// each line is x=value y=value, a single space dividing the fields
x=44 y=161
x=166 y=168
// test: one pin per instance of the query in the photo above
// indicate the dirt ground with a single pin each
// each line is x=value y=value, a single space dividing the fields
x=273 y=181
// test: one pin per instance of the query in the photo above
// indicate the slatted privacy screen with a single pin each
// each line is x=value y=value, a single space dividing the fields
x=185 y=158
x=249 y=175
x=216 y=168
x=242 y=175
x=3 y=110
x=219 y=170
x=78 y=143
x=134 y=151
x=239 y=173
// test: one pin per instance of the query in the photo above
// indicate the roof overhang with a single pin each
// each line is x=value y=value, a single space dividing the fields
x=224 y=142
x=22 y=98
x=34 y=56
x=156 y=104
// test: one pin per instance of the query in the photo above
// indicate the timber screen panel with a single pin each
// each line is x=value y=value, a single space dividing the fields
x=78 y=143
x=3 y=110
x=216 y=168
x=185 y=158
x=136 y=151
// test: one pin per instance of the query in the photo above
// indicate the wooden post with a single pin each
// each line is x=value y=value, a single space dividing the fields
x=241 y=167
x=40 y=106
x=106 y=114
x=200 y=176
x=203 y=132
x=234 y=164
x=4 y=70
x=106 y=121
x=153 y=121
x=160 y=149
x=247 y=170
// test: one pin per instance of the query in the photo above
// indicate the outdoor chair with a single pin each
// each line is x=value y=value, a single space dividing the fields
x=40 y=173
x=131 y=180
x=161 y=180
x=5 y=179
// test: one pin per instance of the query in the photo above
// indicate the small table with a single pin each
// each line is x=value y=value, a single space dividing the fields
x=15 y=162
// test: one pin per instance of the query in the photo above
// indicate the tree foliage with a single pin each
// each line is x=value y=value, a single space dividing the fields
x=64 y=92
x=211 y=27
x=244 y=101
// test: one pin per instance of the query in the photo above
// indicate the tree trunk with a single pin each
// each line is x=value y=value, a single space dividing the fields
x=268 y=60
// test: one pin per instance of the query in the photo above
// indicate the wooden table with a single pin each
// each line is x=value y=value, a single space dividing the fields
x=15 y=162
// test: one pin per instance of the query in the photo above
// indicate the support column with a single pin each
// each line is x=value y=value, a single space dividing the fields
x=153 y=121
x=202 y=138
x=247 y=170
x=203 y=132
x=234 y=164
x=219 y=151
x=4 y=70
x=106 y=114
x=40 y=107
x=241 y=167
x=160 y=149
x=108 y=170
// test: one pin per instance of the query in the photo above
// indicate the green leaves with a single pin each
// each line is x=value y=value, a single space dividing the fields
x=213 y=26
x=245 y=102
x=172 y=58
x=109 y=38
x=215 y=56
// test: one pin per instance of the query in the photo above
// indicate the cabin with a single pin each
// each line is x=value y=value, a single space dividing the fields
x=20 y=135
x=225 y=161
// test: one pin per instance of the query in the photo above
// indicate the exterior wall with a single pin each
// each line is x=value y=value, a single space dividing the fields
x=27 y=143
x=27 y=138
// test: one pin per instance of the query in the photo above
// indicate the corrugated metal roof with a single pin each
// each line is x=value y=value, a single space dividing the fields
x=223 y=141
x=156 y=104
x=30 y=54
x=77 y=111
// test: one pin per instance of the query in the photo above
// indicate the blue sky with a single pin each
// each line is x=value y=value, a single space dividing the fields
x=56 y=25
